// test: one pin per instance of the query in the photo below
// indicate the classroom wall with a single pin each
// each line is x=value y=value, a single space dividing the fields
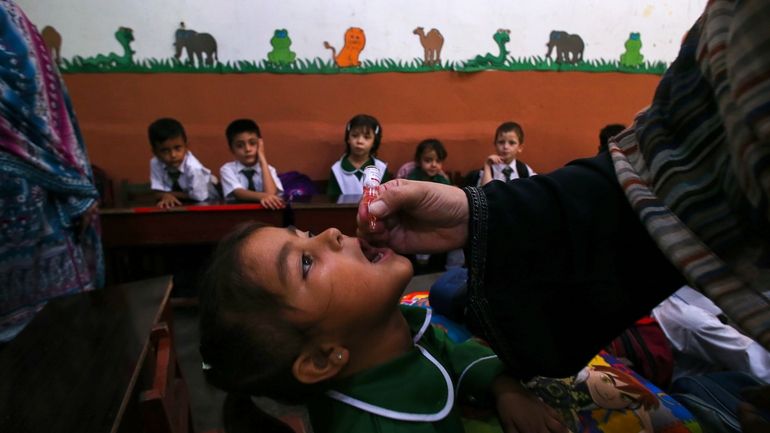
x=243 y=28
x=303 y=116
x=303 y=113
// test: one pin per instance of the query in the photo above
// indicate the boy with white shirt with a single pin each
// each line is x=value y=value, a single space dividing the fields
x=175 y=174
x=503 y=165
x=249 y=177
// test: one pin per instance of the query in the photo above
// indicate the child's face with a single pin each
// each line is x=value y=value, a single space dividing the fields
x=171 y=152
x=245 y=148
x=327 y=281
x=430 y=164
x=361 y=141
x=508 y=146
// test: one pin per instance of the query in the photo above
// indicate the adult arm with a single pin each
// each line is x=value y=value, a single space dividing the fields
x=558 y=266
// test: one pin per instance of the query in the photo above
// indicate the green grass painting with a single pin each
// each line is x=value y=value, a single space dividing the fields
x=318 y=66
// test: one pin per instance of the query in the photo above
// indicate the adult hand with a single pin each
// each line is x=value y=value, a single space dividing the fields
x=168 y=200
x=521 y=412
x=413 y=216
x=272 y=202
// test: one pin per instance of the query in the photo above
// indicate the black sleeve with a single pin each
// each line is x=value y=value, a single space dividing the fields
x=559 y=265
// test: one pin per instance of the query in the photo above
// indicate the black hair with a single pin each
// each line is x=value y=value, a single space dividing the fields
x=246 y=346
x=508 y=127
x=430 y=144
x=238 y=126
x=608 y=132
x=164 y=129
x=366 y=122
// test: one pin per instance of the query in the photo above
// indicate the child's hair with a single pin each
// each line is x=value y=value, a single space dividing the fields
x=508 y=127
x=608 y=132
x=246 y=345
x=239 y=126
x=365 y=122
x=430 y=144
x=164 y=129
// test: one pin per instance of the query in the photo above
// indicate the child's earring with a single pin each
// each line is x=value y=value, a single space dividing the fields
x=339 y=356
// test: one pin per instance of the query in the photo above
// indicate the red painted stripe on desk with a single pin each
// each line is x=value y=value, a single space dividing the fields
x=199 y=208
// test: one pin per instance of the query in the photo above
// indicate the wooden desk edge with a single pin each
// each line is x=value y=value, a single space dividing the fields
x=138 y=370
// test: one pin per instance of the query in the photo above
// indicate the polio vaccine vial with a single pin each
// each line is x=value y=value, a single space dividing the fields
x=372 y=178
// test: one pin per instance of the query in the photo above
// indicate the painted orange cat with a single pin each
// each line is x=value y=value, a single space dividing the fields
x=355 y=40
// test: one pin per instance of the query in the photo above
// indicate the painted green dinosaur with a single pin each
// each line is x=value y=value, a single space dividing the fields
x=281 y=54
x=501 y=37
x=125 y=36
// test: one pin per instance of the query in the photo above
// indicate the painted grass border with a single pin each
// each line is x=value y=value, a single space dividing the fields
x=78 y=65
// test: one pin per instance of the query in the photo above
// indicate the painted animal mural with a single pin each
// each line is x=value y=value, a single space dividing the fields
x=52 y=40
x=281 y=54
x=355 y=41
x=431 y=44
x=569 y=48
x=501 y=37
x=124 y=36
x=633 y=56
x=196 y=44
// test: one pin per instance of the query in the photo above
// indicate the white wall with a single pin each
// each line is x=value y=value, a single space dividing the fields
x=243 y=28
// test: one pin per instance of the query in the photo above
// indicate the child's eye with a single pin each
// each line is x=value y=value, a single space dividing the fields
x=307 y=262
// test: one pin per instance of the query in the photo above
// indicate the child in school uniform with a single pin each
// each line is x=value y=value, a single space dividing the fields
x=175 y=173
x=503 y=164
x=429 y=162
x=429 y=167
x=249 y=177
x=316 y=320
x=363 y=134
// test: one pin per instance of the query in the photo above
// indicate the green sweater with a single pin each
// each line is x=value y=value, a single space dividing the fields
x=419 y=174
x=417 y=392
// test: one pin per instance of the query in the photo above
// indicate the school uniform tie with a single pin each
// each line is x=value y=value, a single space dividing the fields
x=249 y=173
x=507 y=172
x=174 y=175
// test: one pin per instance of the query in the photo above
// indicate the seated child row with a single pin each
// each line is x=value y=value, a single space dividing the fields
x=176 y=175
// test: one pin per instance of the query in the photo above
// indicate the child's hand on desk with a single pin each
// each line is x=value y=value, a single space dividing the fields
x=168 y=200
x=521 y=412
x=272 y=202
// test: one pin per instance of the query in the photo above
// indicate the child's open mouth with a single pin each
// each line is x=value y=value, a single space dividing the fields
x=371 y=253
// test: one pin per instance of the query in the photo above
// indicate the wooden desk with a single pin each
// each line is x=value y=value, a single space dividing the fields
x=146 y=225
x=76 y=366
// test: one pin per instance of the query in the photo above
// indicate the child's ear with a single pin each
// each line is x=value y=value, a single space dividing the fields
x=317 y=364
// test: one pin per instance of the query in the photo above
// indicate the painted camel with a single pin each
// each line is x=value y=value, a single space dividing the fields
x=432 y=44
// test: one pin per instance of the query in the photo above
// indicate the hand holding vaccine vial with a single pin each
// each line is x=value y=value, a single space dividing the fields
x=372 y=178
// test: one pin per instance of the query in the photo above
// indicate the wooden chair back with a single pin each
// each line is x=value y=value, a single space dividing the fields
x=165 y=406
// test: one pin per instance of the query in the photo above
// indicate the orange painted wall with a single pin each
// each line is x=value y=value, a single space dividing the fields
x=303 y=116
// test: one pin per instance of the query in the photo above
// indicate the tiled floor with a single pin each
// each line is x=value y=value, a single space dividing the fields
x=206 y=401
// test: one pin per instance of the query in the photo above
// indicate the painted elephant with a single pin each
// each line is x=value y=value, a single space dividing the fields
x=569 y=48
x=196 y=44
